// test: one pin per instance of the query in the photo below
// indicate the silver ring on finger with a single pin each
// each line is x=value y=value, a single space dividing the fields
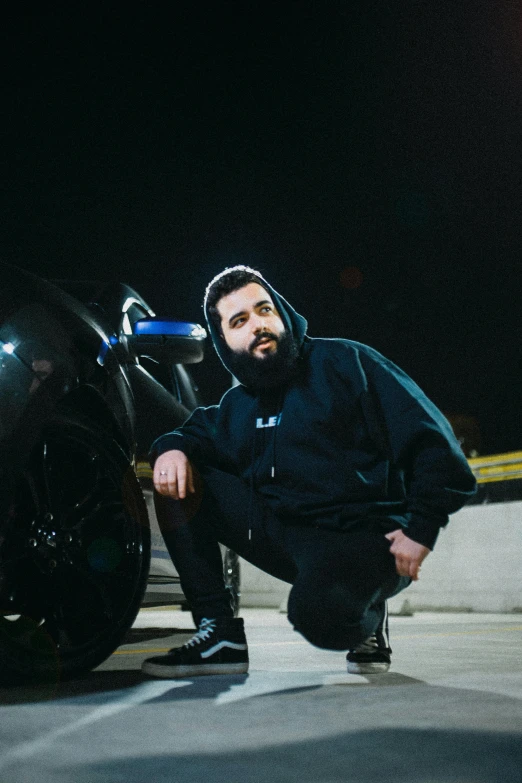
x=163 y=472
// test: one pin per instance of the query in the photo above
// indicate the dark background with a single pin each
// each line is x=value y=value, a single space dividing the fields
x=364 y=156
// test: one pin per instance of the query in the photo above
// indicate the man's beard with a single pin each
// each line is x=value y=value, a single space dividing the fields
x=265 y=372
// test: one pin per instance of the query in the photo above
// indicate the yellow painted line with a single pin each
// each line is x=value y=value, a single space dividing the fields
x=498 y=479
x=496 y=459
x=501 y=467
x=497 y=467
x=143 y=470
x=508 y=629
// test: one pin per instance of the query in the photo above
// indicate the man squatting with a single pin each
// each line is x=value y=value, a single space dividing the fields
x=327 y=467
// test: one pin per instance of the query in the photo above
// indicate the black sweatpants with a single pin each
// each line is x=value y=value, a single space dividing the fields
x=340 y=578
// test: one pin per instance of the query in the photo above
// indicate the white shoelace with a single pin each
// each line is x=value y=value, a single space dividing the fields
x=205 y=629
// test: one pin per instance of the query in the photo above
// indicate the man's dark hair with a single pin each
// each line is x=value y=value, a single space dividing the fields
x=231 y=279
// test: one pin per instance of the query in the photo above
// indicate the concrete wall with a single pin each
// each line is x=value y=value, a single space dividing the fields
x=476 y=566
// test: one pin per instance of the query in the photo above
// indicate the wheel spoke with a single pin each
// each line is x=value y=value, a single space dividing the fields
x=38 y=494
x=61 y=636
x=45 y=487
x=91 y=494
x=98 y=519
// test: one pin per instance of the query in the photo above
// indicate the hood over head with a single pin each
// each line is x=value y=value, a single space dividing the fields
x=294 y=323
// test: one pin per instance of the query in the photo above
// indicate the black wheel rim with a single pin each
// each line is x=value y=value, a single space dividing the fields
x=73 y=553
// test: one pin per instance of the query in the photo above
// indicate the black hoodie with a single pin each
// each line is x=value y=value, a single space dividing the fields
x=351 y=437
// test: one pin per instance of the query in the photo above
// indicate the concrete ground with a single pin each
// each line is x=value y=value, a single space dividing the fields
x=449 y=711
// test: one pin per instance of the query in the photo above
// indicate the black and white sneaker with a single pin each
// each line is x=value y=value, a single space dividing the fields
x=372 y=656
x=218 y=647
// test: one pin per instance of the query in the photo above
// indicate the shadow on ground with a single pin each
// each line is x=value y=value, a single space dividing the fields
x=97 y=682
x=391 y=755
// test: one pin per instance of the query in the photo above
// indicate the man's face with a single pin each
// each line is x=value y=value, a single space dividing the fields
x=250 y=321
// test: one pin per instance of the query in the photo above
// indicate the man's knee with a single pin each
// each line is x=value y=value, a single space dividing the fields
x=330 y=617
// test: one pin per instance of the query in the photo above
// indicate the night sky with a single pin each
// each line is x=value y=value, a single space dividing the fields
x=364 y=156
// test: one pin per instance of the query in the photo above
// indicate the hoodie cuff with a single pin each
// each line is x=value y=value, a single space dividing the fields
x=165 y=443
x=424 y=531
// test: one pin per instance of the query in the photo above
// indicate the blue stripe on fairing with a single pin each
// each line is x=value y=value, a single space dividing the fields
x=157 y=326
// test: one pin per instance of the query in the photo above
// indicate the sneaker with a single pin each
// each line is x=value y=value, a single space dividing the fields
x=374 y=654
x=218 y=647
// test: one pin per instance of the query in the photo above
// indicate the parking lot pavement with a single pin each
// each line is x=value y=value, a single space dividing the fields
x=449 y=711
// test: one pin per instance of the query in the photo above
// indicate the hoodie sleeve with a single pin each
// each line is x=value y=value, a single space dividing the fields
x=195 y=438
x=420 y=441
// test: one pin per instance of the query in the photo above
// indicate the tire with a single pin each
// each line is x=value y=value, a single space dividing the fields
x=75 y=555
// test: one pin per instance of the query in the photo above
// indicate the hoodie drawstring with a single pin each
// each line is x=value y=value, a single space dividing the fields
x=251 y=493
x=279 y=413
x=279 y=408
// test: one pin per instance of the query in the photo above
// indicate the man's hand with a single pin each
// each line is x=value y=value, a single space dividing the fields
x=408 y=554
x=173 y=475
